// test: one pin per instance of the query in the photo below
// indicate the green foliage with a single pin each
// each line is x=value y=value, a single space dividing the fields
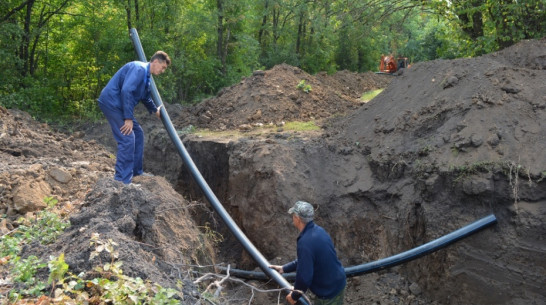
x=44 y=228
x=10 y=245
x=113 y=288
x=486 y=26
x=304 y=87
x=24 y=272
x=55 y=65
x=187 y=130
x=467 y=170
x=124 y=289
x=57 y=269
x=100 y=245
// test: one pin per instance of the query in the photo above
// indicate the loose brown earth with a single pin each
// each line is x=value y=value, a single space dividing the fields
x=448 y=142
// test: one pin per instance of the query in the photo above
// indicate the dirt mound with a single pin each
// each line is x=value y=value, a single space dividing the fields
x=280 y=94
x=38 y=162
x=464 y=111
x=142 y=219
x=457 y=139
x=353 y=84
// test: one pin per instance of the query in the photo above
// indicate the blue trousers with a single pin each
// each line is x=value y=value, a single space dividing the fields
x=130 y=154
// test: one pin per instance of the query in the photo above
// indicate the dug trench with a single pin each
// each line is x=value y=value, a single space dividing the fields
x=448 y=142
x=374 y=209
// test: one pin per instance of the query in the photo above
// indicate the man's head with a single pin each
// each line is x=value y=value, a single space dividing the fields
x=304 y=210
x=159 y=62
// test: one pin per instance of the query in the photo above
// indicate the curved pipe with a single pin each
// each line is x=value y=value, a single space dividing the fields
x=394 y=260
x=209 y=194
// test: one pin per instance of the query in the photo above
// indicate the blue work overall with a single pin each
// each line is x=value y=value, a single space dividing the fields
x=129 y=86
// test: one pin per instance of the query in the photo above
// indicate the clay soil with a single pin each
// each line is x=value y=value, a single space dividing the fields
x=446 y=143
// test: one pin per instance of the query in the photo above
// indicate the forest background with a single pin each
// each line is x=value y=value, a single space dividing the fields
x=57 y=55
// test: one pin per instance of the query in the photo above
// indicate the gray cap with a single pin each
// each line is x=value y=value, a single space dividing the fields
x=303 y=209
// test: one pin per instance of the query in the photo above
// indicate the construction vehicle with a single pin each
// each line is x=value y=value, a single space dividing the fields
x=390 y=64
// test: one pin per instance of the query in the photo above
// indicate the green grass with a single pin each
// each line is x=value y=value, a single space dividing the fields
x=368 y=96
x=301 y=126
x=289 y=126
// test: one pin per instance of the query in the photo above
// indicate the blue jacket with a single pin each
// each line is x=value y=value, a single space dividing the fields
x=129 y=86
x=317 y=266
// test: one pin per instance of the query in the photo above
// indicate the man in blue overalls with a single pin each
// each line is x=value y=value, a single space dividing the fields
x=129 y=86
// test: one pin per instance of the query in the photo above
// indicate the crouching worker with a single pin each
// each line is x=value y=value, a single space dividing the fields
x=129 y=86
x=317 y=266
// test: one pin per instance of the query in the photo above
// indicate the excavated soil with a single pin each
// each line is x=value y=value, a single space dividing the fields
x=272 y=97
x=447 y=143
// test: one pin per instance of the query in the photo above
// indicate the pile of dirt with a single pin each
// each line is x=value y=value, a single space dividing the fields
x=140 y=221
x=453 y=140
x=38 y=163
x=280 y=95
x=457 y=112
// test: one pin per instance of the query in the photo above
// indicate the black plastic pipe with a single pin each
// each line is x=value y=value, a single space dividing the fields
x=394 y=260
x=209 y=194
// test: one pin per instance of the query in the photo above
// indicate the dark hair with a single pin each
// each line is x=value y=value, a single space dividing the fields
x=162 y=56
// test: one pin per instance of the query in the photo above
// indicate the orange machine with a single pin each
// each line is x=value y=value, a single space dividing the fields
x=390 y=64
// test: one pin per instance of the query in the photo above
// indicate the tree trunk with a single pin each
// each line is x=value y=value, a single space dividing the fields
x=261 y=33
x=472 y=19
x=137 y=14
x=276 y=17
x=301 y=28
x=24 y=52
x=220 y=28
x=128 y=10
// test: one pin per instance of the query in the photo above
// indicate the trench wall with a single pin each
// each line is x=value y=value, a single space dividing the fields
x=374 y=209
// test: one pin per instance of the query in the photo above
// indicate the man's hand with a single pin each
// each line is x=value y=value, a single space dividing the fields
x=289 y=299
x=127 y=127
x=277 y=267
x=158 y=113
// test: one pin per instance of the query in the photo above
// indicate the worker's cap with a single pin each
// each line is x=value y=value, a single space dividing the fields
x=302 y=209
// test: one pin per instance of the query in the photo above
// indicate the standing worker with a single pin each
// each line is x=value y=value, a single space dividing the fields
x=129 y=86
x=317 y=266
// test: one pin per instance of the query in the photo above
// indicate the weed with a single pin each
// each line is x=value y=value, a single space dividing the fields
x=426 y=150
x=57 y=269
x=117 y=288
x=513 y=170
x=100 y=246
x=44 y=228
x=304 y=87
x=212 y=235
x=24 y=271
x=288 y=126
x=187 y=130
x=467 y=170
